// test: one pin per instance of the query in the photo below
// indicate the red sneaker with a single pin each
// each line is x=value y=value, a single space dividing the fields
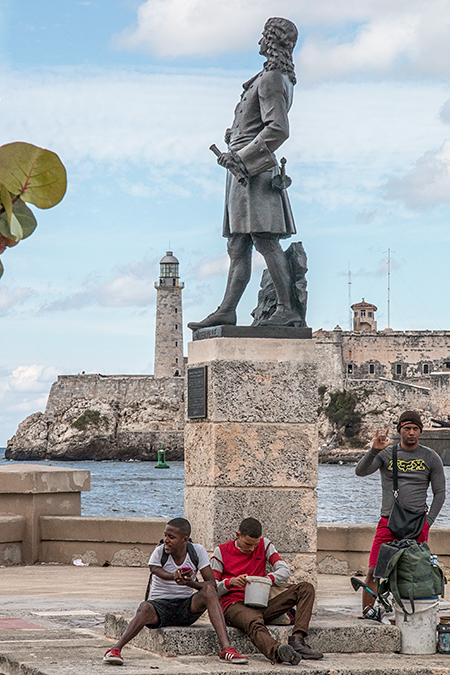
x=114 y=657
x=232 y=656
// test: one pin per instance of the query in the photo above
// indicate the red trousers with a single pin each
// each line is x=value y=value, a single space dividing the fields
x=383 y=535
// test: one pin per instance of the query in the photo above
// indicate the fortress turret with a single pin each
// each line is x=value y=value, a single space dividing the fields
x=364 y=316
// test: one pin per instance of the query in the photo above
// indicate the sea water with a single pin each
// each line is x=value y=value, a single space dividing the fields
x=139 y=489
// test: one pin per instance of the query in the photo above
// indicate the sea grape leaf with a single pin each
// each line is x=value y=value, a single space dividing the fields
x=16 y=228
x=37 y=175
x=23 y=223
x=1 y=269
x=5 y=202
x=26 y=218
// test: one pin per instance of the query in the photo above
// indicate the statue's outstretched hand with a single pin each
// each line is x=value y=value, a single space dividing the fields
x=381 y=441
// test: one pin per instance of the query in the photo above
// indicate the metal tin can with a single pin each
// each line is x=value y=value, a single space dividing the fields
x=443 y=630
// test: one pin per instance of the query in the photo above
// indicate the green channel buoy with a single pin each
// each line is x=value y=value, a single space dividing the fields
x=161 y=464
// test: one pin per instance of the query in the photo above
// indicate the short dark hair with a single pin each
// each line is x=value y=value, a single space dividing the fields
x=250 y=527
x=181 y=524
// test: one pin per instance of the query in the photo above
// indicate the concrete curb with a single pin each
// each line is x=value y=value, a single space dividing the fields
x=328 y=633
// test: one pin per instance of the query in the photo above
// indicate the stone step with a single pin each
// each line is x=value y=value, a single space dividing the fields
x=329 y=632
x=52 y=660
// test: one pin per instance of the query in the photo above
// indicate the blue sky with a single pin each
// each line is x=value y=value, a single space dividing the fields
x=130 y=94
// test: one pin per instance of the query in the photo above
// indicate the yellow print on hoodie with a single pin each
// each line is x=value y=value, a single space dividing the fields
x=409 y=465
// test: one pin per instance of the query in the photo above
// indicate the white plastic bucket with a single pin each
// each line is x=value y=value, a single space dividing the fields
x=257 y=591
x=418 y=632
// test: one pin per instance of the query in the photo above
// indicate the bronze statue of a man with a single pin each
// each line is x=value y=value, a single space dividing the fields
x=257 y=209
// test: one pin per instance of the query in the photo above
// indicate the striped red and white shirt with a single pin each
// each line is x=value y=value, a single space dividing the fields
x=229 y=561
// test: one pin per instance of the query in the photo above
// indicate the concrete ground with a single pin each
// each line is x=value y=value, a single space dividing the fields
x=66 y=606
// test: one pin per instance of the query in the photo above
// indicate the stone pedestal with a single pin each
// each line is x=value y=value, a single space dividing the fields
x=255 y=454
x=32 y=491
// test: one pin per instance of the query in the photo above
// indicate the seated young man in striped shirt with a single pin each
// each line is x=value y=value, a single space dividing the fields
x=248 y=555
x=172 y=600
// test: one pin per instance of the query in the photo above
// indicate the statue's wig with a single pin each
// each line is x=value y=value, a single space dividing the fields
x=281 y=36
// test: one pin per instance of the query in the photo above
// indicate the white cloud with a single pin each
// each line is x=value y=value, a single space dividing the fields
x=218 y=266
x=139 y=133
x=108 y=125
x=29 y=405
x=33 y=378
x=209 y=267
x=131 y=286
x=427 y=185
x=23 y=391
x=127 y=290
x=172 y=28
x=444 y=112
x=342 y=38
x=375 y=49
x=366 y=216
x=11 y=298
x=99 y=119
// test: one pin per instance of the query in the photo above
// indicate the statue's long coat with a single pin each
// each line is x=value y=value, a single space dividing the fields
x=260 y=126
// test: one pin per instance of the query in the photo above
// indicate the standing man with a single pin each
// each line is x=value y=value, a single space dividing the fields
x=248 y=555
x=172 y=599
x=418 y=467
x=257 y=209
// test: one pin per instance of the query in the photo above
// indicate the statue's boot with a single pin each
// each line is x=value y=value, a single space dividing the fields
x=238 y=278
x=284 y=316
x=217 y=318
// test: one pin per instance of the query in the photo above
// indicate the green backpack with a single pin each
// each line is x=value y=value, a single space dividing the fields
x=410 y=573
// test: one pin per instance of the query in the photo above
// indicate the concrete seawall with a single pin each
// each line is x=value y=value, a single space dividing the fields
x=41 y=521
x=128 y=542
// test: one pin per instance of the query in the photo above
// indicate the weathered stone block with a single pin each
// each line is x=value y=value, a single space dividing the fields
x=247 y=391
x=262 y=350
x=35 y=479
x=255 y=453
x=12 y=527
x=241 y=454
x=303 y=566
x=341 y=537
x=288 y=515
x=102 y=528
x=11 y=554
x=33 y=491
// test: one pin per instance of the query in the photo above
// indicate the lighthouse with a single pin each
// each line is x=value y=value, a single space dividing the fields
x=169 y=361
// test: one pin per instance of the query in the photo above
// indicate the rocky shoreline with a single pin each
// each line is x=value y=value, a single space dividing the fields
x=340 y=455
x=96 y=417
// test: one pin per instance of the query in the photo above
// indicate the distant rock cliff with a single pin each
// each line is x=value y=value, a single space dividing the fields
x=105 y=417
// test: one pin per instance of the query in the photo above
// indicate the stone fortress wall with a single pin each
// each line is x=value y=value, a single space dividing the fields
x=135 y=413
x=403 y=356
x=388 y=372
x=105 y=417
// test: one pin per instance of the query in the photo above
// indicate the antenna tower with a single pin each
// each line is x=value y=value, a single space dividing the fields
x=349 y=298
x=389 y=287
